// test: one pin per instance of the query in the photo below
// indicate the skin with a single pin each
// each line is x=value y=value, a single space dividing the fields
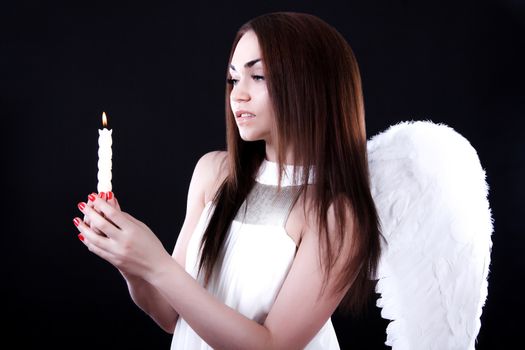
x=250 y=93
x=157 y=280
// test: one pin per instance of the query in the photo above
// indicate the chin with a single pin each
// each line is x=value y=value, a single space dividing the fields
x=249 y=134
x=249 y=137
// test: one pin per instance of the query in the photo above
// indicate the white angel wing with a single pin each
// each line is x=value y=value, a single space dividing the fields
x=431 y=195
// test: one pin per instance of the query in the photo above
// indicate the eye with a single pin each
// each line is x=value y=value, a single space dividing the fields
x=234 y=82
x=231 y=81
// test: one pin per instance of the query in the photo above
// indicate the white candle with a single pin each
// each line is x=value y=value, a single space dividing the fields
x=104 y=157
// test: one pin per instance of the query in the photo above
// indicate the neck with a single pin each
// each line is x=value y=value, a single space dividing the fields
x=272 y=154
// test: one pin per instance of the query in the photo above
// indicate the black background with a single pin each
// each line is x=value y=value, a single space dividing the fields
x=158 y=71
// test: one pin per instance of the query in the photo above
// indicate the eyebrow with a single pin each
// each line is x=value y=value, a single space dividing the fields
x=247 y=64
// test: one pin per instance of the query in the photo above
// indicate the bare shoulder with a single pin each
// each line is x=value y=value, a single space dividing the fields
x=210 y=172
x=335 y=218
x=300 y=216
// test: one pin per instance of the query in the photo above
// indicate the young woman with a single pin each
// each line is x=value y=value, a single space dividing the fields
x=281 y=228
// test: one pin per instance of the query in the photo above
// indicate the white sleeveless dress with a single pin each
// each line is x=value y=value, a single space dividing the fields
x=255 y=260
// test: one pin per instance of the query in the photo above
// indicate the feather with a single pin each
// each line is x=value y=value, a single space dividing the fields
x=431 y=195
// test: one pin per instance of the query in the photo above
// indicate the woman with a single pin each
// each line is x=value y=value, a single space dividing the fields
x=281 y=228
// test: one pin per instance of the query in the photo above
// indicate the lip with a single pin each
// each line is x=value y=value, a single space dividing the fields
x=241 y=111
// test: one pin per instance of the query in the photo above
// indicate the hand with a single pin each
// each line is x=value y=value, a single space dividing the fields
x=109 y=197
x=124 y=241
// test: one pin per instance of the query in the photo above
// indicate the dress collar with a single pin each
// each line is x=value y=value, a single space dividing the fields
x=269 y=174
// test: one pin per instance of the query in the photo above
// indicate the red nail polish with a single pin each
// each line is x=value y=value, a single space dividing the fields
x=110 y=195
x=81 y=205
x=80 y=237
x=92 y=197
x=76 y=221
x=102 y=195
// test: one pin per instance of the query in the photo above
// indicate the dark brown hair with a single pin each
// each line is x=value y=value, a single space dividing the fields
x=315 y=87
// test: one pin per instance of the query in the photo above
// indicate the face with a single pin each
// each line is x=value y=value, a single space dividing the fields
x=249 y=91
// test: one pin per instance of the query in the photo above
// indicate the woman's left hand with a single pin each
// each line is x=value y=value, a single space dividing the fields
x=128 y=243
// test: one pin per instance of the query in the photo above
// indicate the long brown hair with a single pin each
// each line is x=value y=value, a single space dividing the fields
x=315 y=87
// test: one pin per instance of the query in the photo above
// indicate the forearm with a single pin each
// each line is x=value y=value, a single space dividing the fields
x=153 y=303
x=219 y=325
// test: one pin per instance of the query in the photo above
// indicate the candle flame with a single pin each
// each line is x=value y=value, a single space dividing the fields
x=104 y=119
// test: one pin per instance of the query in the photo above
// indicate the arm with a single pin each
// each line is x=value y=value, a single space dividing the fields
x=202 y=186
x=145 y=295
x=149 y=300
x=296 y=316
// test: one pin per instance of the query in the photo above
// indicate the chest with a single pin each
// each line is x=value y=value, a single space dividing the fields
x=269 y=206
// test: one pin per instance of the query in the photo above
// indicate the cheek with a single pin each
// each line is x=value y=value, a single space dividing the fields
x=265 y=103
x=231 y=103
x=270 y=122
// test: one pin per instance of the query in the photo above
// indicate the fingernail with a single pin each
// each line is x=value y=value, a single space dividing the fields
x=81 y=205
x=110 y=195
x=76 y=221
x=92 y=197
x=80 y=237
x=102 y=195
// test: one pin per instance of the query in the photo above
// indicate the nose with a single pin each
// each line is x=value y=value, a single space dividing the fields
x=240 y=91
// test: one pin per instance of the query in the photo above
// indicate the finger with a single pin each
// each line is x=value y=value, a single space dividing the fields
x=117 y=204
x=98 y=221
x=102 y=195
x=105 y=196
x=88 y=234
x=99 y=251
x=112 y=200
x=111 y=213
x=88 y=222
x=95 y=243
x=91 y=198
